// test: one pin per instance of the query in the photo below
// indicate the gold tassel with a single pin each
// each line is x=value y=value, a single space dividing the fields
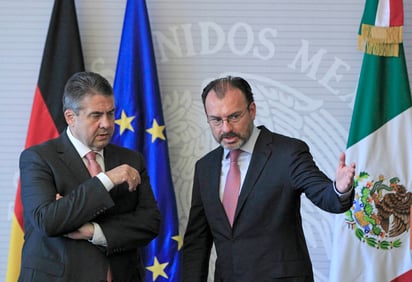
x=392 y=34
x=380 y=41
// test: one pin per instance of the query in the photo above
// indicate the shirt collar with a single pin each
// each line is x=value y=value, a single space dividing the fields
x=250 y=143
x=81 y=149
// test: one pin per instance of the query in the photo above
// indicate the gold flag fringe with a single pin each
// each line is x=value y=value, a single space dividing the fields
x=380 y=41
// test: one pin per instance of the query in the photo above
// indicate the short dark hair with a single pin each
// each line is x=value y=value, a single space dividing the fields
x=221 y=85
x=82 y=84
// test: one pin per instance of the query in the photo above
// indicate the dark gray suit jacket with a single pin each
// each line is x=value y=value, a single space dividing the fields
x=129 y=220
x=267 y=241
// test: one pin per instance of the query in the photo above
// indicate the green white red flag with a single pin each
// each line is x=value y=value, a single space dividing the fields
x=372 y=239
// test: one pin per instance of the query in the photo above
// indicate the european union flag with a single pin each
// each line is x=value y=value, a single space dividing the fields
x=141 y=127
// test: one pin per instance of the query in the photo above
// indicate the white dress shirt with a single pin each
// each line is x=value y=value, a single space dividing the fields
x=98 y=235
x=243 y=161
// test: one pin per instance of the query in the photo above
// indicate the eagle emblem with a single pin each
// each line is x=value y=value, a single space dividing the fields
x=380 y=212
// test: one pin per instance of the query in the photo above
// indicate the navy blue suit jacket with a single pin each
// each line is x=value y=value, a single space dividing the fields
x=129 y=220
x=267 y=240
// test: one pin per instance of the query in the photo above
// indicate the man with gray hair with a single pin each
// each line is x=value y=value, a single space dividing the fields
x=88 y=204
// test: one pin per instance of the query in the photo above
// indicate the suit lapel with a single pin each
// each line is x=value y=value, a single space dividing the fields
x=70 y=157
x=209 y=180
x=110 y=158
x=213 y=176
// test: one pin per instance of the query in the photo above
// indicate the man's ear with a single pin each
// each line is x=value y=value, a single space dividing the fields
x=69 y=116
x=252 y=109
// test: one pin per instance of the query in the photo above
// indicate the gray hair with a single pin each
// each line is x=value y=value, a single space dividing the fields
x=83 y=84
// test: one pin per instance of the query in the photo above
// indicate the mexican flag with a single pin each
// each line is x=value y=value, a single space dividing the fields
x=372 y=239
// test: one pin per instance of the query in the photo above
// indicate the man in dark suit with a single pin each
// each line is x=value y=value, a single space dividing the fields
x=262 y=238
x=80 y=227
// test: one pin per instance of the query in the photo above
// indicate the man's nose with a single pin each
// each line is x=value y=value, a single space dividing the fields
x=106 y=121
x=226 y=125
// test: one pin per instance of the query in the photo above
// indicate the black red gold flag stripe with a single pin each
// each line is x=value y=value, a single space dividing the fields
x=62 y=56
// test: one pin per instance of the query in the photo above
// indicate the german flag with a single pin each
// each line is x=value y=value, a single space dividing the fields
x=62 y=57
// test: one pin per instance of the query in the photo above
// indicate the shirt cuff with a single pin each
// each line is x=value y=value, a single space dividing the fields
x=345 y=195
x=108 y=184
x=98 y=236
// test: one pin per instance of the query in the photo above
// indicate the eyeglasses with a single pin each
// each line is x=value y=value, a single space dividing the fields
x=233 y=118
